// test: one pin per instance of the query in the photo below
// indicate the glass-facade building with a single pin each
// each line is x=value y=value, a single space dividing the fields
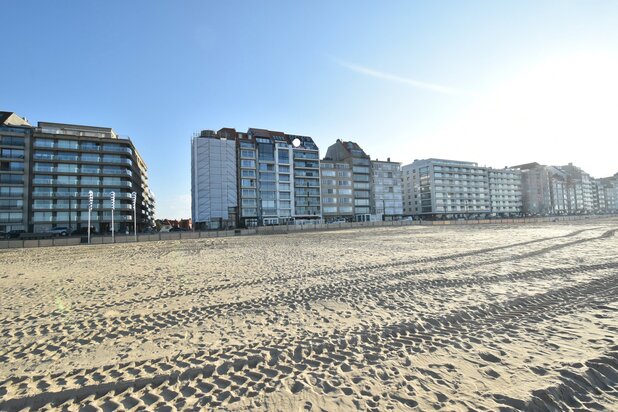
x=63 y=162
x=277 y=178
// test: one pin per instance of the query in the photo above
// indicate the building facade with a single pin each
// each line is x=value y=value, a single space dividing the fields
x=214 y=186
x=505 y=194
x=440 y=188
x=277 y=178
x=63 y=162
x=386 y=189
x=445 y=188
x=579 y=190
x=14 y=152
x=337 y=190
x=360 y=164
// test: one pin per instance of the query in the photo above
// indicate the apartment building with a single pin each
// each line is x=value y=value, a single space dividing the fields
x=505 y=194
x=14 y=207
x=579 y=190
x=544 y=189
x=337 y=190
x=456 y=189
x=386 y=189
x=307 y=193
x=62 y=163
x=360 y=164
x=609 y=186
x=277 y=179
x=214 y=186
x=449 y=188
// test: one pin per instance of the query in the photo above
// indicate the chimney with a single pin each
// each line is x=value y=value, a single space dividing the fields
x=388 y=159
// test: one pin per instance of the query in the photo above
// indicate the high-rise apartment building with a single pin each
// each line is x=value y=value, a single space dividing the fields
x=386 y=189
x=505 y=195
x=14 y=150
x=337 y=190
x=214 y=186
x=450 y=188
x=544 y=189
x=277 y=178
x=62 y=163
x=579 y=190
x=360 y=163
x=439 y=187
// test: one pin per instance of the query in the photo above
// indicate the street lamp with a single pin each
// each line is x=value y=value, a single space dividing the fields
x=134 y=199
x=112 y=197
x=90 y=199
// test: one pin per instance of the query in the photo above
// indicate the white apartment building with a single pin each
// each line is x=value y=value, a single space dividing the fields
x=452 y=189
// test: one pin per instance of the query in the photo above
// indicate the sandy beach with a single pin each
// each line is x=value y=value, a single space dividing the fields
x=492 y=317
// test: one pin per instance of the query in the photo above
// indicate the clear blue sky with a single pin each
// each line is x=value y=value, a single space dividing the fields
x=500 y=83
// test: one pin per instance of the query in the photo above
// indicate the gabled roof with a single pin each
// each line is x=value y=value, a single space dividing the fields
x=12 y=119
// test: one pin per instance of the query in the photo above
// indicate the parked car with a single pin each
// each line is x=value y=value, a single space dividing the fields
x=14 y=234
x=338 y=221
x=60 y=230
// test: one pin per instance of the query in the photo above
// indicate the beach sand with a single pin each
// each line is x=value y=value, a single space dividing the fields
x=482 y=317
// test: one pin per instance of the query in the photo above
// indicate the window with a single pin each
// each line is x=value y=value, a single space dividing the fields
x=66 y=180
x=12 y=140
x=11 y=203
x=284 y=169
x=43 y=167
x=284 y=178
x=283 y=156
x=89 y=146
x=11 y=191
x=87 y=157
x=329 y=173
x=44 y=143
x=248 y=193
x=12 y=153
x=67 y=144
x=248 y=153
x=267 y=176
x=330 y=209
x=90 y=168
x=249 y=202
x=345 y=191
x=247 y=183
x=12 y=166
x=43 y=204
x=247 y=173
x=247 y=163
x=67 y=168
x=266 y=152
x=11 y=179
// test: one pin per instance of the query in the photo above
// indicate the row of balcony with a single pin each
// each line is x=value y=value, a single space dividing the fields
x=68 y=157
x=82 y=170
x=81 y=182
x=84 y=217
